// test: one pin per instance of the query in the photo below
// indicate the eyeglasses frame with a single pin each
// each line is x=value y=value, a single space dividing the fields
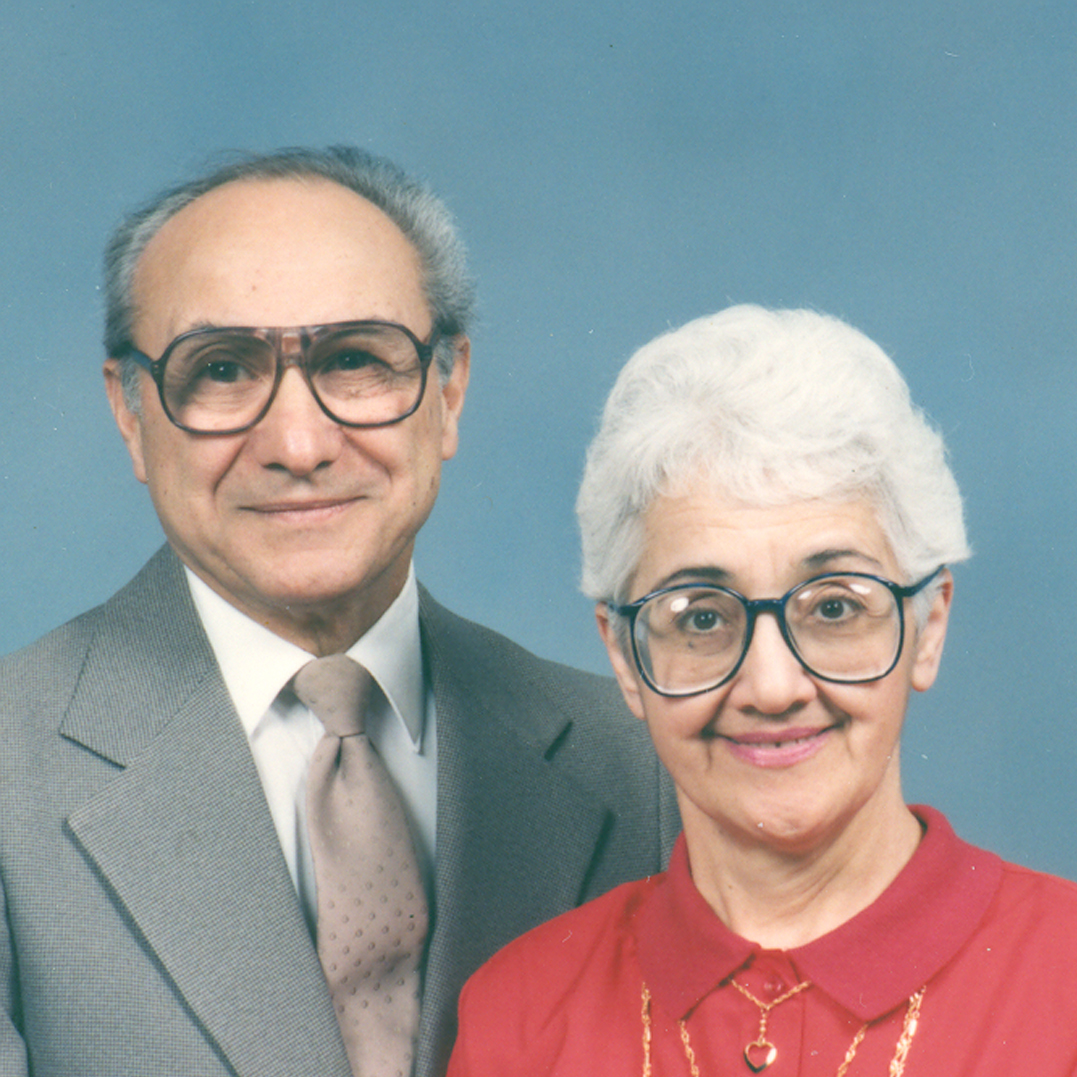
x=273 y=335
x=776 y=606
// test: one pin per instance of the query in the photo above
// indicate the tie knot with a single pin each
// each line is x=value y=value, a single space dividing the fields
x=336 y=690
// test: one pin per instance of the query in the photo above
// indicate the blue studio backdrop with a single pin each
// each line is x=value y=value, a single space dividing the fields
x=617 y=169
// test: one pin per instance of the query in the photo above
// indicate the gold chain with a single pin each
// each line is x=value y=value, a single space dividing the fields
x=647 y=1031
x=897 y=1063
x=761 y=1048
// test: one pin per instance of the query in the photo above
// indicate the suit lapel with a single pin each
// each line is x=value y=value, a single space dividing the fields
x=507 y=819
x=183 y=839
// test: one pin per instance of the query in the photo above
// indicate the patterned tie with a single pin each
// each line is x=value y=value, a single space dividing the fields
x=372 y=915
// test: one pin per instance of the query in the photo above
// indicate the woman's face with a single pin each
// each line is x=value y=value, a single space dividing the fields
x=776 y=756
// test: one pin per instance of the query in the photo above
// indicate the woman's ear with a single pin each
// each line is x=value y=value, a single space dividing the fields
x=932 y=635
x=624 y=668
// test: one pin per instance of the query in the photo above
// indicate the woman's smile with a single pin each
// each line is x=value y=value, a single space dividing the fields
x=777 y=748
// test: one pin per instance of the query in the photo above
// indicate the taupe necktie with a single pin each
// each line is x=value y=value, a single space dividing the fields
x=372 y=915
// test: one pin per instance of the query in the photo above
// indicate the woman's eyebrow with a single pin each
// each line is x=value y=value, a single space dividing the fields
x=696 y=573
x=815 y=562
x=824 y=558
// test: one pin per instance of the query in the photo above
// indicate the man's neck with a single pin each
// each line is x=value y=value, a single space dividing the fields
x=324 y=627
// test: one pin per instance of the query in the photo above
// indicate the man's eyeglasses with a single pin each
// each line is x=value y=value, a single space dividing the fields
x=845 y=627
x=223 y=381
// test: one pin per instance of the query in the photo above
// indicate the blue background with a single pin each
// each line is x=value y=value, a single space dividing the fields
x=617 y=169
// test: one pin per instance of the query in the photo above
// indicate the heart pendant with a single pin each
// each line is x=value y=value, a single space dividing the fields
x=759 y=1055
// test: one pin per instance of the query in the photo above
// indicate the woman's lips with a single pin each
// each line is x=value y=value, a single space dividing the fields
x=778 y=747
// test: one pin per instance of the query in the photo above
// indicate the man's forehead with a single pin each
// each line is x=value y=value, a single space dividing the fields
x=280 y=252
x=244 y=200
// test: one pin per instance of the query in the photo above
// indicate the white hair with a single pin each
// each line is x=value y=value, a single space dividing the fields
x=769 y=407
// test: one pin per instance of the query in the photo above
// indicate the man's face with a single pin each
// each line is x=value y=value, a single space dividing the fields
x=303 y=524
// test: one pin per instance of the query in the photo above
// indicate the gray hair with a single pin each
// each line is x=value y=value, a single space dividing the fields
x=768 y=407
x=412 y=207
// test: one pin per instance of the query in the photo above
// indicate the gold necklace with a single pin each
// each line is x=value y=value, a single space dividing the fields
x=760 y=1053
x=897 y=1063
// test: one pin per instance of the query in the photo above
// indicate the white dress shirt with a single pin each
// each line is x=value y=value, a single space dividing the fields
x=401 y=722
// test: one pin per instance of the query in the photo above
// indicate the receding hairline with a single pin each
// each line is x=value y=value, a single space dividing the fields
x=298 y=179
x=311 y=180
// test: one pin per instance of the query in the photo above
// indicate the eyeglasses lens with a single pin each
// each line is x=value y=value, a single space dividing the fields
x=842 y=628
x=690 y=639
x=845 y=628
x=365 y=375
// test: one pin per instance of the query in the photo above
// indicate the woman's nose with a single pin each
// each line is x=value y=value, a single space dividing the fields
x=771 y=679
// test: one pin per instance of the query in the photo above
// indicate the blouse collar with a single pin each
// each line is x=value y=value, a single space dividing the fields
x=869 y=965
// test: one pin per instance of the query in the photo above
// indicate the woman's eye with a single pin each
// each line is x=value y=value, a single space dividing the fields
x=701 y=620
x=836 y=608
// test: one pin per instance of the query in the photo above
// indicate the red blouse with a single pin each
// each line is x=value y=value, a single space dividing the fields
x=994 y=944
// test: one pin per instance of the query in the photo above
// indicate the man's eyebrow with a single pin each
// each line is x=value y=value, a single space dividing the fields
x=824 y=558
x=195 y=327
x=202 y=326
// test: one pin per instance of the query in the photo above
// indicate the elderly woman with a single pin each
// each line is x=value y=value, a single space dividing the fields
x=767 y=521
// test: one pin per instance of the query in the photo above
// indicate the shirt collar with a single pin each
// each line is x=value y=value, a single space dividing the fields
x=391 y=650
x=869 y=965
x=256 y=663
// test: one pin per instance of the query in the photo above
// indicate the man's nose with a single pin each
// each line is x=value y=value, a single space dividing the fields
x=295 y=434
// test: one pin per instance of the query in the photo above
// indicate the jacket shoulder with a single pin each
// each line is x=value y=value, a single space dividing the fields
x=139 y=619
x=496 y=661
x=42 y=675
x=575 y=721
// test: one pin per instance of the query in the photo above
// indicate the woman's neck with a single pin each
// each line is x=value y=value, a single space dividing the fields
x=784 y=898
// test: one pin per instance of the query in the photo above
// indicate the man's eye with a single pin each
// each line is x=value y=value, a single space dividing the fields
x=217 y=364
x=226 y=371
x=350 y=360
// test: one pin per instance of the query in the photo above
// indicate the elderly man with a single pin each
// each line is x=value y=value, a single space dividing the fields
x=218 y=854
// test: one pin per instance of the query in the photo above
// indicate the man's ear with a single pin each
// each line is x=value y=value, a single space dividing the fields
x=129 y=422
x=931 y=637
x=623 y=667
x=453 y=391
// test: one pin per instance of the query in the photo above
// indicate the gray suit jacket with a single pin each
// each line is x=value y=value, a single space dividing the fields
x=151 y=925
